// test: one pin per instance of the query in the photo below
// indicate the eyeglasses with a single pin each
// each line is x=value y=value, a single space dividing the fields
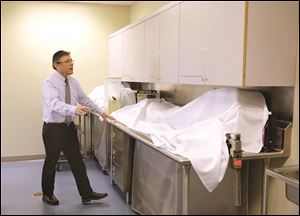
x=69 y=61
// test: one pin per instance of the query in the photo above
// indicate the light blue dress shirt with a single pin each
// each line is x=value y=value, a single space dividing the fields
x=54 y=106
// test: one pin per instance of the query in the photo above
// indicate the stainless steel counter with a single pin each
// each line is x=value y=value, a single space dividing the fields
x=284 y=136
x=183 y=162
x=190 y=185
x=285 y=152
x=147 y=140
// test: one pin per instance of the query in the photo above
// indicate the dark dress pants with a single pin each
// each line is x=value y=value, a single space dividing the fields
x=59 y=137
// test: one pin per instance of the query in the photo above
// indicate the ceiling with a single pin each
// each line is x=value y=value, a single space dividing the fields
x=108 y=2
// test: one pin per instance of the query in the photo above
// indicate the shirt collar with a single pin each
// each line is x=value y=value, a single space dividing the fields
x=59 y=76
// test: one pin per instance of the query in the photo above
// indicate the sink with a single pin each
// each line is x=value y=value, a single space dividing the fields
x=292 y=192
x=290 y=175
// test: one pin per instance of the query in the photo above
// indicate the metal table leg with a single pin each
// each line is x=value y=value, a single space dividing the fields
x=185 y=191
x=264 y=191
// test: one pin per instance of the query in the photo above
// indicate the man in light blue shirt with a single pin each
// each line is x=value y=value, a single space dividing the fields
x=63 y=98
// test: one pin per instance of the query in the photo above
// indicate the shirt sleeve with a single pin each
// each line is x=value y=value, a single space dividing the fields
x=51 y=98
x=86 y=101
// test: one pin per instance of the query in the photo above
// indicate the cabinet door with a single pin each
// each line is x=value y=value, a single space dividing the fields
x=115 y=56
x=152 y=49
x=211 y=43
x=168 y=45
x=273 y=29
x=133 y=54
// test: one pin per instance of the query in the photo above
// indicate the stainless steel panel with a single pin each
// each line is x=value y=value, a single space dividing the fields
x=292 y=193
x=118 y=156
x=121 y=158
x=108 y=147
x=158 y=187
x=118 y=175
x=118 y=138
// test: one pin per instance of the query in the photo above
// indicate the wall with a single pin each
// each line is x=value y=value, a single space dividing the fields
x=31 y=32
x=277 y=203
x=143 y=8
x=18 y=63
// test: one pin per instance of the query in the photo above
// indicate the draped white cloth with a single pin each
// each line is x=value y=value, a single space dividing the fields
x=197 y=130
x=127 y=96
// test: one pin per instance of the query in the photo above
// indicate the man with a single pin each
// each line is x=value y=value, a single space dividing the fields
x=63 y=98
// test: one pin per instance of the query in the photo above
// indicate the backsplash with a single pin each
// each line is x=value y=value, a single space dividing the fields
x=280 y=100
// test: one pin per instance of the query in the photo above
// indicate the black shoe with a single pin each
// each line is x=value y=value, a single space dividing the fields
x=93 y=196
x=51 y=200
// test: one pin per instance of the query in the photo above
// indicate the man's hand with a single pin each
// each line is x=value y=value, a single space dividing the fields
x=105 y=116
x=81 y=110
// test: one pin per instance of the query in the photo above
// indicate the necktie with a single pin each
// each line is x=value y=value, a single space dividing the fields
x=68 y=118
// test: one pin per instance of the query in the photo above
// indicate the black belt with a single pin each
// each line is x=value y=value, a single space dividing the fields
x=60 y=123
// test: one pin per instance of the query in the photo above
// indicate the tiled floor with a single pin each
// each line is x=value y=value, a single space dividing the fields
x=21 y=180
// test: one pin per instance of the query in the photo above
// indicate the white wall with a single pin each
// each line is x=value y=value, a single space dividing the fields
x=31 y=32
x=140 y=9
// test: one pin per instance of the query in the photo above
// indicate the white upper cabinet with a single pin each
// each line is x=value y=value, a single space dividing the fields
x=115 y=56
x=236 y=44
x=211 y=42
x=168 y=45
x=152 y=49
x=272 y=43
x=134 y=53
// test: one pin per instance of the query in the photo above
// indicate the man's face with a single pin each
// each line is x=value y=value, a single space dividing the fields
x=65 y=65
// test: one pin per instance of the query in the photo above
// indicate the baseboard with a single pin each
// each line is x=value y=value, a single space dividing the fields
x=22 y=158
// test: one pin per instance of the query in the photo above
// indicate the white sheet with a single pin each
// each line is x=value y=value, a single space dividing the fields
x=97 y=95
x=197 y=130
x=127 y=96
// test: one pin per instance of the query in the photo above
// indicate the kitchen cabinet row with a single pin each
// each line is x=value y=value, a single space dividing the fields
x=210 y=43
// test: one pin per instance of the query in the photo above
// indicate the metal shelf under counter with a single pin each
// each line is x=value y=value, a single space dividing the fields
x=280 y=146
x=262 y=155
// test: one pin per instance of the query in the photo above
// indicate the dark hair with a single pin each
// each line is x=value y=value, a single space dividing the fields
x=57 y=56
